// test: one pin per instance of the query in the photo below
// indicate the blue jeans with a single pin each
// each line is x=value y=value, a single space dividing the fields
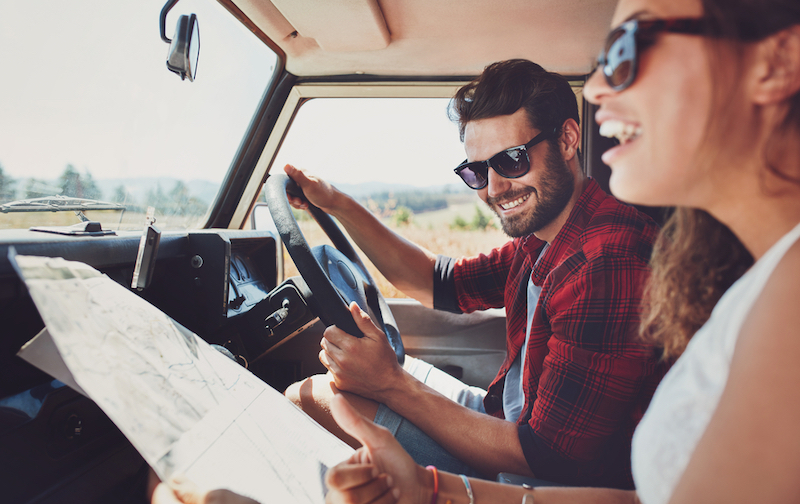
x=424 y=450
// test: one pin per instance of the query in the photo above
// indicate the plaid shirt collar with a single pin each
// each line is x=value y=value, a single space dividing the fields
x=564 y=242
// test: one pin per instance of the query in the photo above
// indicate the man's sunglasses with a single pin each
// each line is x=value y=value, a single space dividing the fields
x=511 y=163
x=620 y=57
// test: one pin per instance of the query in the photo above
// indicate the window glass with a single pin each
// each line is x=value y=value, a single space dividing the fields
x=90 y=111
x=396 y=156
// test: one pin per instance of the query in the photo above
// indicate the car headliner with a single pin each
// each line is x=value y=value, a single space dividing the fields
x=428 y=37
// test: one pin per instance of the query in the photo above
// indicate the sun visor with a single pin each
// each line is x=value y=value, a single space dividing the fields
x=338 y=25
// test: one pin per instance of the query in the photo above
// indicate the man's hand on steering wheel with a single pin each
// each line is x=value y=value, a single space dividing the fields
x=335 y=275
x=318 y=192
x=365 y=366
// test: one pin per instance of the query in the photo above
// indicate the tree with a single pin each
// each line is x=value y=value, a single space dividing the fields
x=480 y=220
x=459 y=223
x=156 y=198
x=123 y=196
x=76 y=185
x=183 y=203
x=179 y=198
x=402 y=216
x=120 y=194
x=7 y=190
x=90 y=189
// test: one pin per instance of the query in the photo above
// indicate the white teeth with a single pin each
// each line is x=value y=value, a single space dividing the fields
x=624 y=132
x=515 y=203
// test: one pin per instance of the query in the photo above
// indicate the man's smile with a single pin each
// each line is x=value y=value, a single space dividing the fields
x=515 y=203
x=506 y=203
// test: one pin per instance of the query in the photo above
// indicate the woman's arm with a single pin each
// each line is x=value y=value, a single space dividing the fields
x=412 y=484
x=750 y=451
x=381 y=472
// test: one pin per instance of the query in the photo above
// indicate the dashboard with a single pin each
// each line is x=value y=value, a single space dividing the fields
x=58 y=446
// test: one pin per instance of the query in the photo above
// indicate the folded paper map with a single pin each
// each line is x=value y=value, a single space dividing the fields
x=183 y=405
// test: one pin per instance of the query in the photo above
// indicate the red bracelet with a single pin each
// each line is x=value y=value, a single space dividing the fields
x=435 y=483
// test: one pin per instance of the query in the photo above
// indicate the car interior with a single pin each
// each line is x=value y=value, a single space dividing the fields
x=224 y=279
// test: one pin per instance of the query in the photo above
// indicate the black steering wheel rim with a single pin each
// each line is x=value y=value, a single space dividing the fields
x=326 y=300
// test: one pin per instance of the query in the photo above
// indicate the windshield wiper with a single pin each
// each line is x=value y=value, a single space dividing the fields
x=59 y=204
x=65 y=204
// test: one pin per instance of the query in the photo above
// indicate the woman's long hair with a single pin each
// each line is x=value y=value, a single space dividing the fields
x=696 y=258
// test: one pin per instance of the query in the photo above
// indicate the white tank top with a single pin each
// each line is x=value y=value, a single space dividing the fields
x=689 y=393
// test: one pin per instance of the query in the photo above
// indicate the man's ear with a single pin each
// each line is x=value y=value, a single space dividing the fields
x=777 y=67
x=570 y=140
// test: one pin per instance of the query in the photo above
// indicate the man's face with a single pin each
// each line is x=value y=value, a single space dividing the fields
x=527 y=204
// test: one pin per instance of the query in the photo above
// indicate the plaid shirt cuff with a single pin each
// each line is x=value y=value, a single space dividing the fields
x=444 y=285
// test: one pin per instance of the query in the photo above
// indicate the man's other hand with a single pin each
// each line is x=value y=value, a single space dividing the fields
x=365 y=366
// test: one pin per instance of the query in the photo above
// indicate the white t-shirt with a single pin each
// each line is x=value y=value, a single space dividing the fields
x=689 y=393
x=513 y=396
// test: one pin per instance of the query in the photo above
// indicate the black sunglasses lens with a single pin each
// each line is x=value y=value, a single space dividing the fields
x=619 y=58
x=473 y=178
x=512 y=163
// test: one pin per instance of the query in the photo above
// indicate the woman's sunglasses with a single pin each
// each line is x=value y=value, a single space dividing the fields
x=620 y=57
x=511 y=163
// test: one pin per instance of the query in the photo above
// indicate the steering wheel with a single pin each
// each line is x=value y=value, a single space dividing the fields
x=335 y=276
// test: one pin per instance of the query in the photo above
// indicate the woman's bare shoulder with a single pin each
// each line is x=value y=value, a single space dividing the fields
x=782 y=291
x=773 y=324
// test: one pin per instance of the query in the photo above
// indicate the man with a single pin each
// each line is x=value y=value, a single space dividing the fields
x=576 y=378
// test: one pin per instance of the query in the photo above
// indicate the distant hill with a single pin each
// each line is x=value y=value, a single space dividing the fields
x=205 y=190
x=366 y=189
x=140 y=186
x=137 y=187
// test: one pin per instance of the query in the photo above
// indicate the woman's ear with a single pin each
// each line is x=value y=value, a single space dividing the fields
x=777 y=67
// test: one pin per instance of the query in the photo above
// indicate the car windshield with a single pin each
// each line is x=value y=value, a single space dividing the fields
x=94 y=126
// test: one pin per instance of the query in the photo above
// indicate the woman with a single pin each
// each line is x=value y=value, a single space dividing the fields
x=707 y=110
x=704 y=98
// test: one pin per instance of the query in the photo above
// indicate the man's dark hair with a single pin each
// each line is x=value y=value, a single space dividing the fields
x=507 y=86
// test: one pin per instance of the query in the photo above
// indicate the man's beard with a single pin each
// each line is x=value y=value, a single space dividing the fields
x=554 y=192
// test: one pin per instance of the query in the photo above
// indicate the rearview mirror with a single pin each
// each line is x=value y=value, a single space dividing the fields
x=184 y=48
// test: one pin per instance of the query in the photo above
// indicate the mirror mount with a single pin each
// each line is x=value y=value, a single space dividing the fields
x=184 y=48
x=162 y=19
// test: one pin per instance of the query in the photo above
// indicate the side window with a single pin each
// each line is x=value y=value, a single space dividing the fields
x=396 y=156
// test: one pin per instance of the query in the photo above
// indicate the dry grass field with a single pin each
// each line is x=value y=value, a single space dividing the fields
x=431 y=230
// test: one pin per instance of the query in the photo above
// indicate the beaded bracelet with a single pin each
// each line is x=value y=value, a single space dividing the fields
x=435 y=483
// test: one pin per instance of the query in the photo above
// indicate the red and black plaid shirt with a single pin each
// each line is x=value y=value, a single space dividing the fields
x=587 y=377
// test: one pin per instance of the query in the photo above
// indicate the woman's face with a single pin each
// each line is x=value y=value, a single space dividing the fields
x=665 y=109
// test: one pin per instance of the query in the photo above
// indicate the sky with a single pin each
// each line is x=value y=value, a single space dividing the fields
x=399 y=141
x=84 y=82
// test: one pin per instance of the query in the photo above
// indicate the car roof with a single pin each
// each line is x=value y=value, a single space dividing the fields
x=428 y=38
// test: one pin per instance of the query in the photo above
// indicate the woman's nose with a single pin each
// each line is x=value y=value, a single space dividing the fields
x=596 y=88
